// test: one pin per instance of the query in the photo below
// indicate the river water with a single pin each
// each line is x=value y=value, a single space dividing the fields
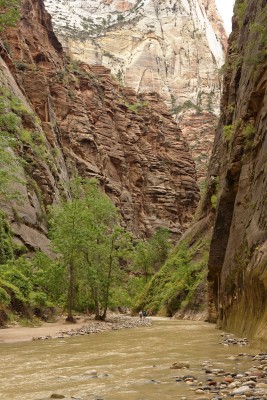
x=131 y=364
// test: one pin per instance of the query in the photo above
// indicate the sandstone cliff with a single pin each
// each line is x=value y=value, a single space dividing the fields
x=93 y=126
x=237 y=175
x=232 y=216
x=174 y=48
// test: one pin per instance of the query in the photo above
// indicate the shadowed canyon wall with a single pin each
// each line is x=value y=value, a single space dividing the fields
x=238 y=257
x=93 y=126
x=229 y=235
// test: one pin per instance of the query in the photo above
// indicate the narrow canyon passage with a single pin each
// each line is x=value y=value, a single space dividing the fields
x=131 y=364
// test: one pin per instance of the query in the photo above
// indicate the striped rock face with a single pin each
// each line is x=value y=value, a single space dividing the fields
x=174 y=48
x=97 y=128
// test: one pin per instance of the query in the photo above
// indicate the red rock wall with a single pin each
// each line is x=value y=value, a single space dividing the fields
x=129 y=142
x=237 y=180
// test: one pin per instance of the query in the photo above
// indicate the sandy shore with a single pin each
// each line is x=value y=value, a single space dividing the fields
x=84 y=325
x=24 y=334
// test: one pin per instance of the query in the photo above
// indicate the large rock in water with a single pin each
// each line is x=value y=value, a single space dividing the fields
x=96 y=127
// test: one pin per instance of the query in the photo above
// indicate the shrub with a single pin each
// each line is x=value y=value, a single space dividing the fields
x=228 y=133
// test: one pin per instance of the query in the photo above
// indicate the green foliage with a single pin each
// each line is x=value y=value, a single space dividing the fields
x=240 y=9
x=120 y=17
x=46 y=273
x=187 y=105
x=213 y=200
x=9 y=13
x=38 y=299
x=135 y=285
x=136 y=107
x=228 y=133
x=6 y=244
x=248 y=133
x=12 y=137
x=12 y=275
x=4 y=296
x=174 y=285
x=85 y=232
x=150 y=255
x=231 y=108
x=12 y=290
x=256 y=49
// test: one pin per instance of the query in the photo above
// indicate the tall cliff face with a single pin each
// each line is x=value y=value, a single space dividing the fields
x=96 y=128
x=174 y=48
x=231 y=223
x=237 y=180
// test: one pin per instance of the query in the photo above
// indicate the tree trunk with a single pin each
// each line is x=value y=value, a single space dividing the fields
x=104 y=315
x=70 y=293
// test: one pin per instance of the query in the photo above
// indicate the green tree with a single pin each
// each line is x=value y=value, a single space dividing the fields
x=105 y=251
x=105 y=255
x=68 y=233
x=45 y=274
x=141 y=259
x=85 y=231
x=9 y=13
x=159 y=248
x=150 y=255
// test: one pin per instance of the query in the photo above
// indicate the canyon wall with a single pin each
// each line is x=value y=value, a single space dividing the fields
x=237 y=181
x=92 y=126
x=229 y=235
x=174 y=48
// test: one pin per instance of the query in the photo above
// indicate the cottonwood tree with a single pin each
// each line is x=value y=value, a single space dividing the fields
x=68 y=232
x=106 y=249
x=103 y=272
x=85 y=231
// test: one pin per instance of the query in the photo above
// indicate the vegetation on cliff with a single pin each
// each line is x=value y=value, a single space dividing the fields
x=176 y=286
x=9 y=13
x=237 y=264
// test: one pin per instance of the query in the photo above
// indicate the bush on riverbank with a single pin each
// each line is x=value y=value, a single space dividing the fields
x=179 y=285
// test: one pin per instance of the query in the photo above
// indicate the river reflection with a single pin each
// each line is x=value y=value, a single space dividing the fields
x=132 y=364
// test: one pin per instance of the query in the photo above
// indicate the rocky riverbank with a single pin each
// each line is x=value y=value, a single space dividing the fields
x=221 y=384
x=85 y=325
x=113 y=323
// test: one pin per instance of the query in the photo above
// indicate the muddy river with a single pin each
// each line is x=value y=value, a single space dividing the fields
x=131 y=364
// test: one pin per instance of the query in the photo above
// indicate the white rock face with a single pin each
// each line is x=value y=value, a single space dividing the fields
x=173 y=47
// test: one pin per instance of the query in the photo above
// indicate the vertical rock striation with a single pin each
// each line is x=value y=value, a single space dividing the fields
x=237 y=181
